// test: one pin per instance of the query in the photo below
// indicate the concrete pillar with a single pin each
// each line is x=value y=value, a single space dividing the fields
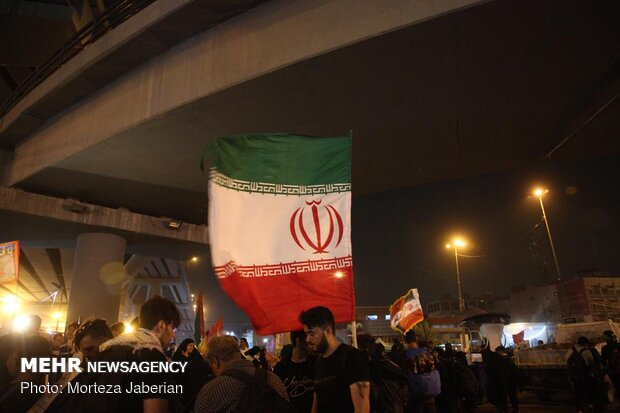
x=98 y=277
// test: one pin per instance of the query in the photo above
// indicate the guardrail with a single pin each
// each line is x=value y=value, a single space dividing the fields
x=100 y=25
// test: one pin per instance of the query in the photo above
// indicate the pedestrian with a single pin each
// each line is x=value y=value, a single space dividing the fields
x=422 y=372
x=235 y=375
x=585 y=377
x=342 y=376
x=297 y=373
x=390 y=387
x=159 y=317
x=610 y=358
x=511 y=372
x=195 y=375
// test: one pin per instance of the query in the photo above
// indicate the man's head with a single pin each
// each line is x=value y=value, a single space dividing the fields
x=243 y=343
x=298 y=340
x=220 y=352
x=57 y=341
x=89 y=336
x=162 y=317
x=411 y=339
x=367 y=344
x=583 y=341
x=320 y=328
x=610 y=336
x=34 y=325
x=71 y=329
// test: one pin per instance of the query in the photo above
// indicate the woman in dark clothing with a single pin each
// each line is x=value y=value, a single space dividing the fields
x=196 y=372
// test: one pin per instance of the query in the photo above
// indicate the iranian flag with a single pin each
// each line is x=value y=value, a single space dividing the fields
x=279 y=226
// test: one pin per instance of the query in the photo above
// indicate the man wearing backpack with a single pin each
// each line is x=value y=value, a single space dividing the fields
x=239 y=386
x=390 y=389
x=585 y=377
x=342 y=377
x=423 y=374
x=610 y=358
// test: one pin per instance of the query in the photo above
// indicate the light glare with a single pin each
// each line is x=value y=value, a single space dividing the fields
x=540 y=192
x=11 y=304
x=21 y=323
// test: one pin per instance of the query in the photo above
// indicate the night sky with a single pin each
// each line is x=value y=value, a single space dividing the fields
x=399 y=236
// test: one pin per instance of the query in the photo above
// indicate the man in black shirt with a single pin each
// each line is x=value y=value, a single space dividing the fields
x=297 y=373
x=342 y=376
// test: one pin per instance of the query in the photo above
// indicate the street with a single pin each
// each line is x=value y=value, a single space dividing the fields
x=528 y=403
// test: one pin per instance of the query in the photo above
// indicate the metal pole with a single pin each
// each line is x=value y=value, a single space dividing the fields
x=555 y=258
x=458 y=279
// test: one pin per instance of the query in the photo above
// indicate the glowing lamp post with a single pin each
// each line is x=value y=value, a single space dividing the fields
x=539 y=192
x=456 y=244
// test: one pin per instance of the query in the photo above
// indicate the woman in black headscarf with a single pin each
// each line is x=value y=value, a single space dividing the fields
x=196 y=372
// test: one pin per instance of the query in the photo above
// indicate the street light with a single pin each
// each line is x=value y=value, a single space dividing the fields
x=456 y=244
x=539 y=192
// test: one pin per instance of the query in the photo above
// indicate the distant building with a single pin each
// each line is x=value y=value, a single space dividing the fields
x=590 y=298
x=375 y=321
x=485 y=303
x=592 y=295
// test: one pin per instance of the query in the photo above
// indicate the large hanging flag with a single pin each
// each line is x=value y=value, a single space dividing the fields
x=199 y=320
x=279 y=226
x=9 y=261
x=406 y=312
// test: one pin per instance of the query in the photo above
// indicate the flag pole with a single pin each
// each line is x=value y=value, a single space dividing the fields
x=354 y=333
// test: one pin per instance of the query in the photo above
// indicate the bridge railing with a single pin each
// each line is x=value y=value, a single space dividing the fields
x=99 y=26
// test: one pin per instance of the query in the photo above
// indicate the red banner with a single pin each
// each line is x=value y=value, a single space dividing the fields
x=216 y=328
x=518 y=338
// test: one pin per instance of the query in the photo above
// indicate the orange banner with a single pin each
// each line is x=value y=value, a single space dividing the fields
x=9 y=261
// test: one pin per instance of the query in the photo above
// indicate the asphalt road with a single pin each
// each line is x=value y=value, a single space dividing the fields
x=528 y=403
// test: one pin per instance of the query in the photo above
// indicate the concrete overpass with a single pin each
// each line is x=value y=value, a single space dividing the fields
x=431 y=90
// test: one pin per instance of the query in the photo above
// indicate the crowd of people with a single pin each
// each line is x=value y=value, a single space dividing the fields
x=316 y=372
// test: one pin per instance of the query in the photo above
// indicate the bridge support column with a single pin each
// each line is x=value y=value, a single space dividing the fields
x=98 y=277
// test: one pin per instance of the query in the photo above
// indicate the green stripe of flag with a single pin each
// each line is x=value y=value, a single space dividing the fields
x=284 y=159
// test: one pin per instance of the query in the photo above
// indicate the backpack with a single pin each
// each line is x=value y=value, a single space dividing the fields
x=423 y=375
x=258 y=396
x=463 y=379
x=390 y=390
x=423 y=362
x=614 y=362
x=577 y=368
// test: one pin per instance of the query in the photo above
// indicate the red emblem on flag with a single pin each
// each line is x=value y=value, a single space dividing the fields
x=319 y=214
